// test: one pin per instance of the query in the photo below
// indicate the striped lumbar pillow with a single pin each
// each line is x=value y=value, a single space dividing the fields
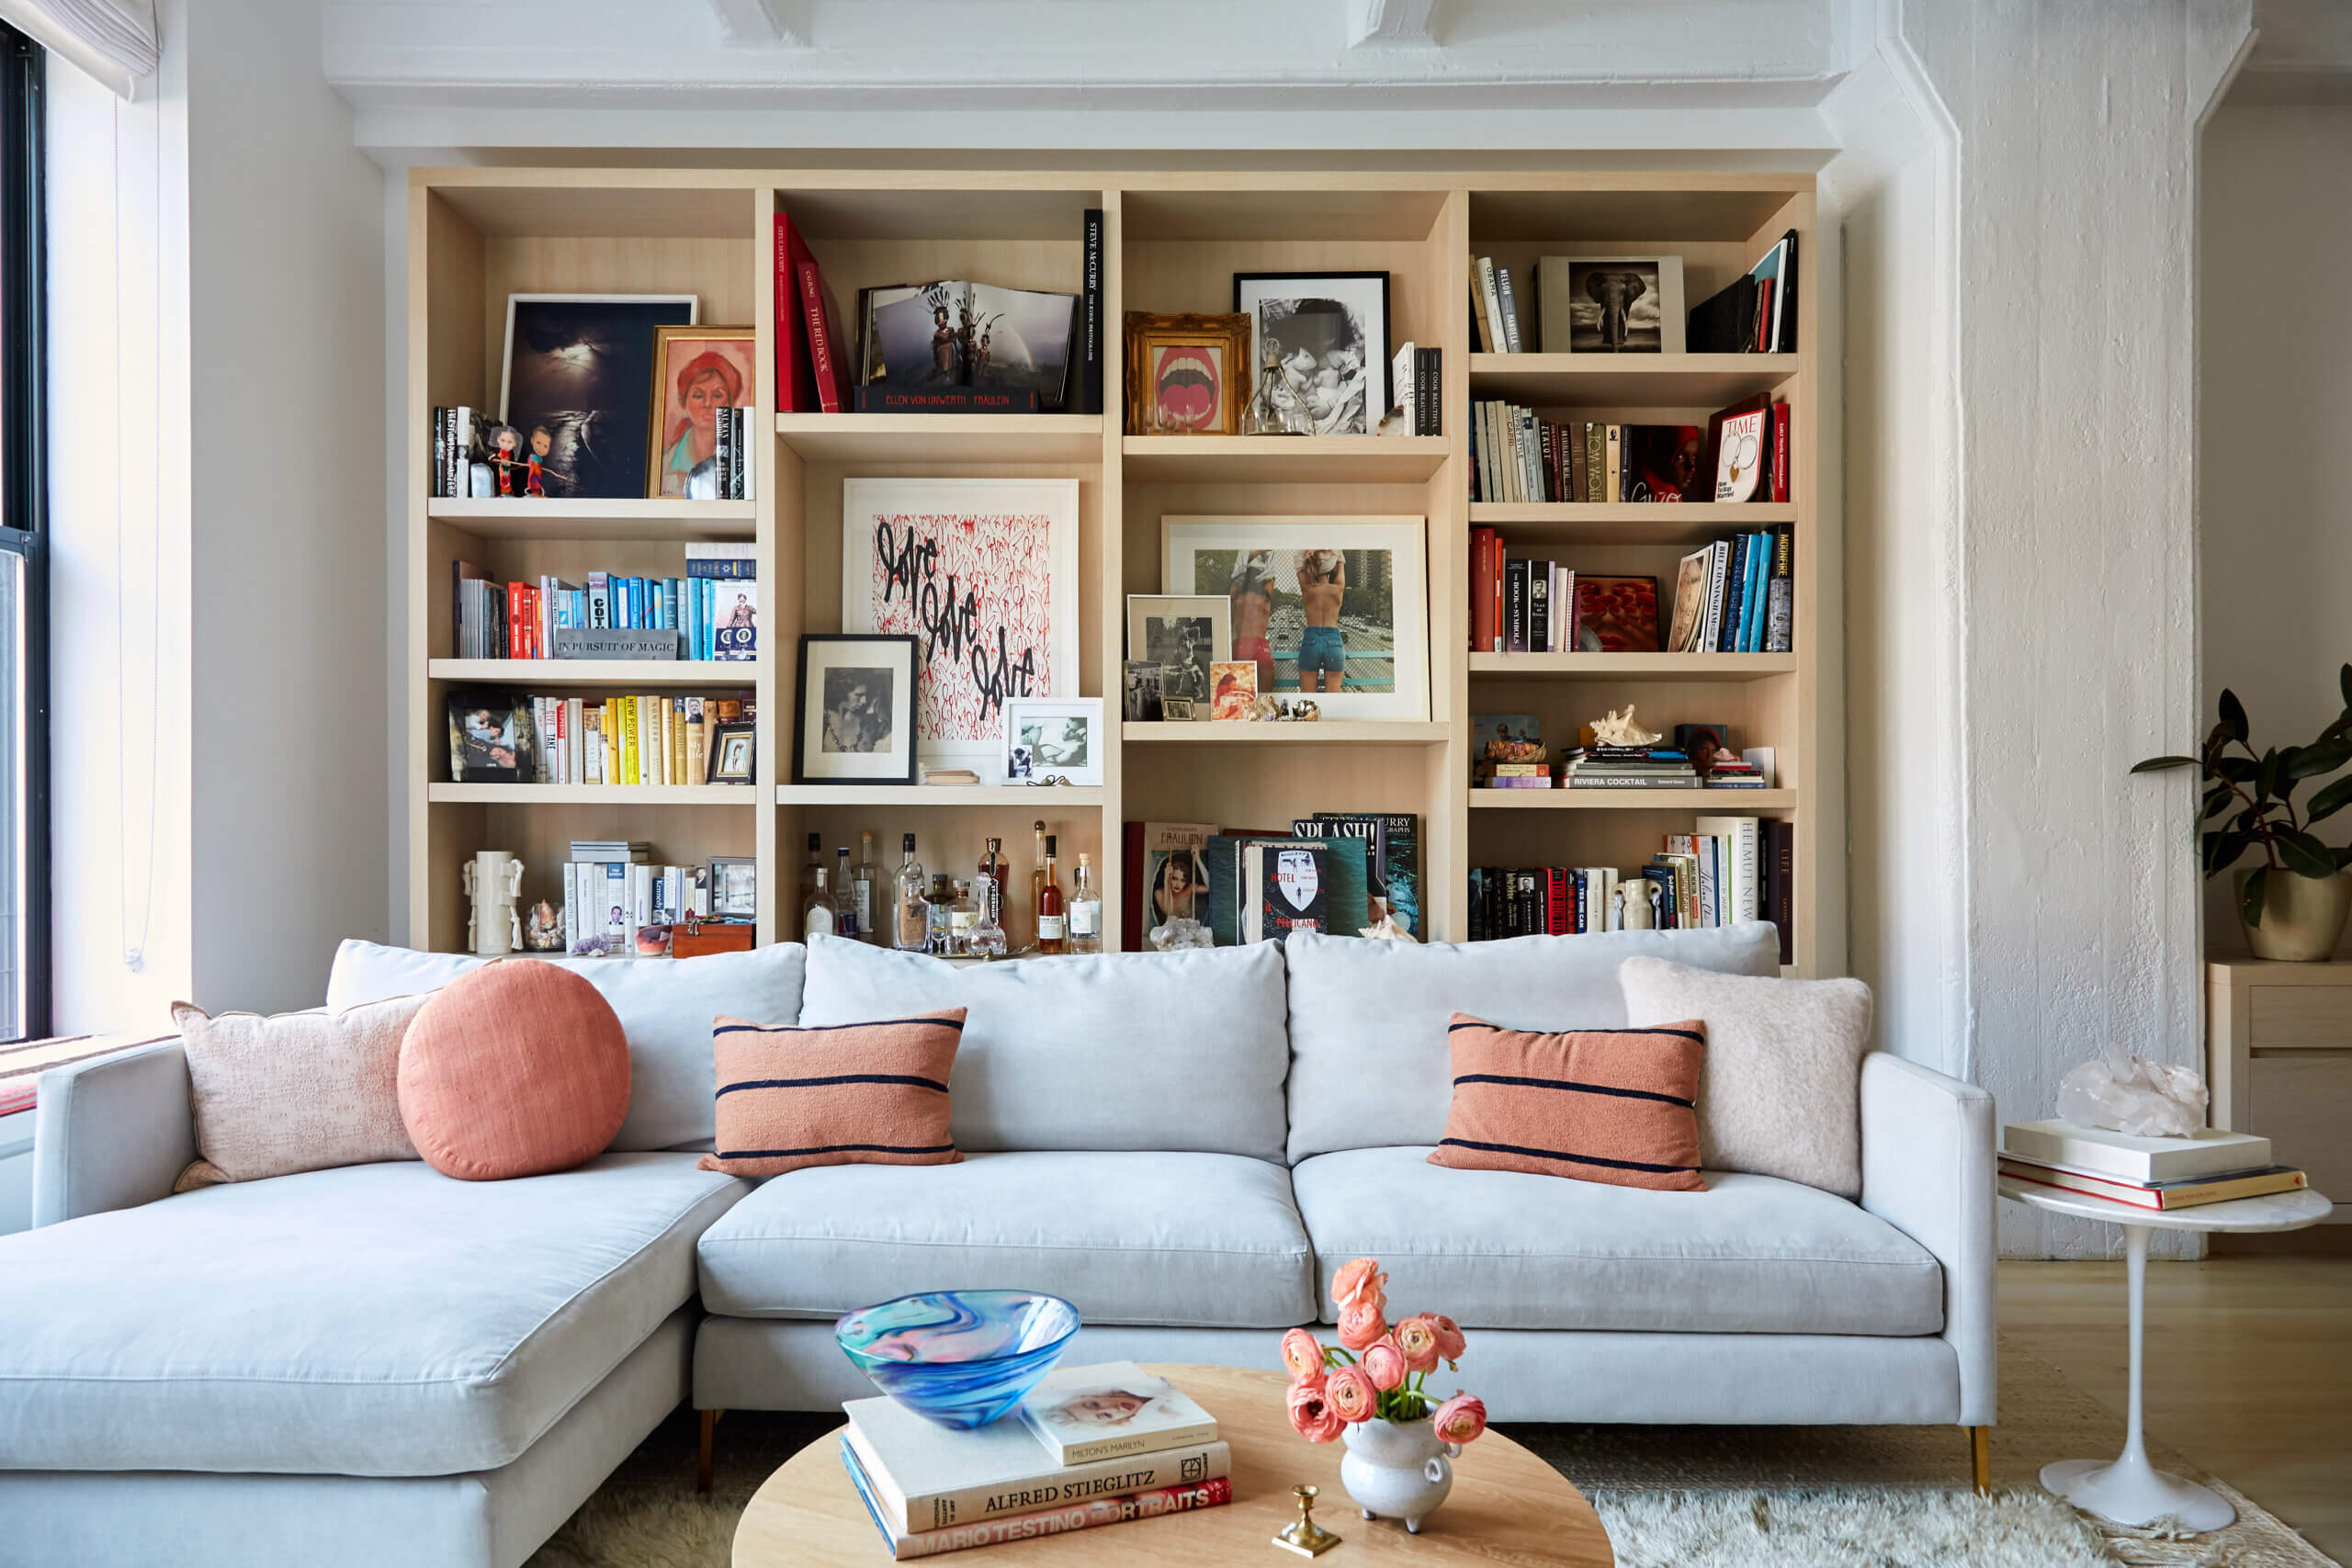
x=853 y=1094
x=1614 y=1105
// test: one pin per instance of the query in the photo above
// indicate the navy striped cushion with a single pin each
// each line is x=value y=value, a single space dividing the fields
x=1617 y=1105
x=851 y=1094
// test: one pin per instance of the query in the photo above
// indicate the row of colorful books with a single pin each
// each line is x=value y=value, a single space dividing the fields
x=1192 y=885
x=712 y=612
x=2159 y=1174
x=478 y=457
x=1519 y=457
x=1090 y=1447
x=633 y=740
x=1737 y=595
x=1730 y=869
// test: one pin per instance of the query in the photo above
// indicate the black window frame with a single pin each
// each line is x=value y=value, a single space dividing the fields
x=24 y=461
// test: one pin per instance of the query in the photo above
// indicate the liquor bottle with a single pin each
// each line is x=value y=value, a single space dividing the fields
x=910 y=929
x=988 y=886
x=1052 y=935
x=937 y=903
x=1037 y=880
x=811 y=868
x=845 y=922
x=963 y=920
x=1085 y=908
x=863 y=878
x=817 y=910
x=987 y=940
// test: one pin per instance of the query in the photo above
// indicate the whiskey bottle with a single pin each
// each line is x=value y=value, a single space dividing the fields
x=910 y=928
x=845 y=922
x=1052 y=927
x=1037 y=881
x=988 y=886
x=863 y=879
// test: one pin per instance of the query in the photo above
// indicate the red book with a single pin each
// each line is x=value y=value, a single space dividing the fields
x=1764 y=315
x=795 y=378
x=1556 y=920
x=1482 y=594
x=1781 y=451
x=826 y=353
x=514 y=621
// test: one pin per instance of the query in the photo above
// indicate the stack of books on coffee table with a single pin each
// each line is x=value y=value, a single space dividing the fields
x=2161 y=1174
x=1091 y=1445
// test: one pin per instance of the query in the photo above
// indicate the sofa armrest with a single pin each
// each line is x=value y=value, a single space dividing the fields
x=1928 y=1170
x=111 y=1134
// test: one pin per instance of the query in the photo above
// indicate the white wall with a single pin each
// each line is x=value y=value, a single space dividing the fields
x=2275 y=389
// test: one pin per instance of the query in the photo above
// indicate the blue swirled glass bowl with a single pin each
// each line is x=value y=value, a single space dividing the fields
x=959 y=1358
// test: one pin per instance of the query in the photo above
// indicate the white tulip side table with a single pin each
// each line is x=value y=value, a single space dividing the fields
x=2128 y=1490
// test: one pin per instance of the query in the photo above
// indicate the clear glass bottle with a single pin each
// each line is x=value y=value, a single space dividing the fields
x=1036 y=879
x=816 y=912
x=963 y=918
x=988 y=885
x=1275 y=408
x=987 y=940
x=811 y=868
x=911 y=927
x=863 y=879
x=936 y=904
x=1052 y=926
x=1085 y=908
x=845 y=917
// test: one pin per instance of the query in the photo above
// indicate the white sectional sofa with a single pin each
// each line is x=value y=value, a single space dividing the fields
x=378 y=1365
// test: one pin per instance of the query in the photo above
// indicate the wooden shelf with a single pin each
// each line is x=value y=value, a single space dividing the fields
x=1285 y=459
x=943 y=437
x=1714 y=802
x=1625 y=522
x=1008 y=796
x=533 y=517
x=1323 y=732
x=1635 y=666
x=590 y=795
x=1635 y=380
x=626 y=673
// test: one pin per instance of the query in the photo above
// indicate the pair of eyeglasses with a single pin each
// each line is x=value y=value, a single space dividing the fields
x=1048 y=779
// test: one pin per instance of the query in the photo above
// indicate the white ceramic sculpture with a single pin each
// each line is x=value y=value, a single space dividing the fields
x=1637 y=904
x=1619 y=729
x=2132 y=1094
x=493 y=880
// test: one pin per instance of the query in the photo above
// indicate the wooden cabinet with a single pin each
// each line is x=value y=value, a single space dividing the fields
x=2280 y=1058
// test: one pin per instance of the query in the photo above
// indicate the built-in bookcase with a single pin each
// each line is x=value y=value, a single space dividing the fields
x=1174 y=241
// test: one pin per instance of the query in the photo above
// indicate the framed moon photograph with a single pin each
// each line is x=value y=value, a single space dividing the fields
x=1329 y=333
x=855 y=714
x=1053 y=740
x=577 y=371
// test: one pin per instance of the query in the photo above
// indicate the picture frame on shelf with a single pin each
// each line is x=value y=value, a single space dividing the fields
x=734 y=754
x=1187 y=375
x=1183 y=633
x=1328 y=331
x=1334 y=607
x=1054 y=741
x=855 y=716
x=734 y=887
x=491 y=739
x=1010 y=549
x=699 y=372
x=1611 y=304
x=1141 y=692
x=574 y=361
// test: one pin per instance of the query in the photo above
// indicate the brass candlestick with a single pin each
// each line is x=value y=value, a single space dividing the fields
x=1306 y=1538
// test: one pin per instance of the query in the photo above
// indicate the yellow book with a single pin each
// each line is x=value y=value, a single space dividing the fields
x=678 y=773
x=630 y=749
x=658 y=710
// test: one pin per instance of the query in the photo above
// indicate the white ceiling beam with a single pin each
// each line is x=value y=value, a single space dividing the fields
x=766 y=23
x=1404 y=23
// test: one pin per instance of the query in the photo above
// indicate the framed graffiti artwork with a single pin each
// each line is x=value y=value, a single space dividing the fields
x=984 y=574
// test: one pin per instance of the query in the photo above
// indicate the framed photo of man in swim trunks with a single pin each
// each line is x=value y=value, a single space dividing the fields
x=1334 y=608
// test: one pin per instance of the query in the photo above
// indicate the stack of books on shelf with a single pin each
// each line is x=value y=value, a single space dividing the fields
x=1192 y=885
x=1737 y=595
x=1729 y=870
x=477 y=458
x=1519 y=457
x=630 y=740
x=1417 y=390
x=1090 y=1447
x=1627 y=767
x=1494 y=306
x=612 y=891
x=711 y=613
x=2160 y=1174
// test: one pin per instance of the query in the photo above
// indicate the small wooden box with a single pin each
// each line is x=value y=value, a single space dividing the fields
x=2279 y=1047
x=710 y=937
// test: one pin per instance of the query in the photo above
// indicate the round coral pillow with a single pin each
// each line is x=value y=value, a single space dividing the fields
x=516 y=1069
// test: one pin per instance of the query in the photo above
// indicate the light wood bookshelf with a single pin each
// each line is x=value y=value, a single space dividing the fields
x=1173 y=239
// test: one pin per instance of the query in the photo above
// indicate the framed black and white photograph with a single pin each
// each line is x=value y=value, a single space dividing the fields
x=1329 y=333
x=734 y=887
x=1053 y=740
x=1610 y=304
x=577 y=385
x=1183 y=633
x=855 y=716
x=734 y=755
x=1141 y=694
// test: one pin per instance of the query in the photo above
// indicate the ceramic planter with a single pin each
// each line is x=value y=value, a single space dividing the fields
x=1398 y=1468
x=2302 y=917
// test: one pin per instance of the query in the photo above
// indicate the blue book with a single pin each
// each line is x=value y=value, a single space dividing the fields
x=1760 y=572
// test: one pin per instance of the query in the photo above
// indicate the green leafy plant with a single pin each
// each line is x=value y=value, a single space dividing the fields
x=2259 y=788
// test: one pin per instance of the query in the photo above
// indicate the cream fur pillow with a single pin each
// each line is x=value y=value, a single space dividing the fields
x=1780 y=1090
x=301 y=1091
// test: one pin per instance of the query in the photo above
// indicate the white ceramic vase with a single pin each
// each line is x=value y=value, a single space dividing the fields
x=1398 y=1468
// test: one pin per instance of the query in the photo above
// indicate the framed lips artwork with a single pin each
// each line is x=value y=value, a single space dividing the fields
x=1186 y=375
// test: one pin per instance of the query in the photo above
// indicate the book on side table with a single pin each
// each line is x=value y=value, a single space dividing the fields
x=1091 y=1445
x=2162 y=1174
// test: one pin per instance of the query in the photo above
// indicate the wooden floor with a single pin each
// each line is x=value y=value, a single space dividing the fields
x=2249 y=1369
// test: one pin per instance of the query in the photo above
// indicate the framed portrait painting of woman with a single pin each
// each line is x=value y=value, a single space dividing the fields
x=697 y=372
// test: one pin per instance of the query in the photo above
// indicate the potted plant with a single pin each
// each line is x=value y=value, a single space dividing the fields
x=2293 y=905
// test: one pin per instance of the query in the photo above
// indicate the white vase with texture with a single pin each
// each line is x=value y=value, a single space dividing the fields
x=1398 y=1469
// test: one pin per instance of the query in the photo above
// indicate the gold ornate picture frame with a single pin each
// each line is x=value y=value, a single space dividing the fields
x=1187 y=375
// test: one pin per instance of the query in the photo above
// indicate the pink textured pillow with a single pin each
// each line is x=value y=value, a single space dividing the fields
x=516 y=1069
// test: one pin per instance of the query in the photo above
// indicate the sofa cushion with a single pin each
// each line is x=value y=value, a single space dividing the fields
x=517 y=1069
x=1130 y=1051
x=300 y=1092
x=1504 y=1249
x=1615 y=1105
x=1369 y=1062
x=666 y=1005
x=1126 y=1237
x=851 y=1094
x=372 y=1320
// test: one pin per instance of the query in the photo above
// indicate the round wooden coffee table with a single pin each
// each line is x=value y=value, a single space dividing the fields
x=1508 y=1509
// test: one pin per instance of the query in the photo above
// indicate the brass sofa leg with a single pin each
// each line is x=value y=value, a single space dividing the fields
x=707 y=1462
x=1980 y=1447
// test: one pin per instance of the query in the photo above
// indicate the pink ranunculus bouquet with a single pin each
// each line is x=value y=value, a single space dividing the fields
x=1378 y=1372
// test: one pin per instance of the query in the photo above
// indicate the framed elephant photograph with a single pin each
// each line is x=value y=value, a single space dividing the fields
x=1610 y=304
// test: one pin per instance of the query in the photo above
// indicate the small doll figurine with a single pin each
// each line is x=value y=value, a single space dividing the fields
x=534 y=469
x=505 y=455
